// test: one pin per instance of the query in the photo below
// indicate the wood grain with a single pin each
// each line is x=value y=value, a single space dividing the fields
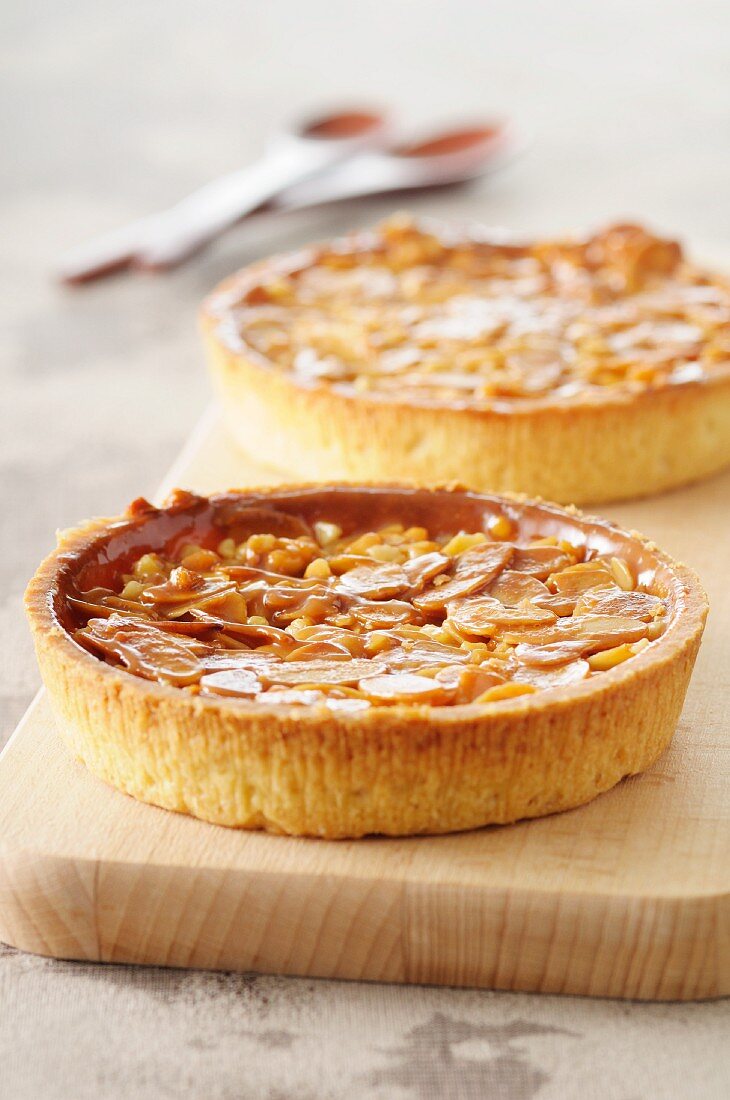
x=628 y=896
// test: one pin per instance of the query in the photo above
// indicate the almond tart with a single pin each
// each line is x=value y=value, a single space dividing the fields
x=336 y=660
x=577 y=370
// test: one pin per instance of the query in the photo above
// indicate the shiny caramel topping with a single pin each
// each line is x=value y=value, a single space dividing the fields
x=417 y=312
x=393 y=615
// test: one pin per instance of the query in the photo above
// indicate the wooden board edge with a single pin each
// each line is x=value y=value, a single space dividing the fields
x=660 y=948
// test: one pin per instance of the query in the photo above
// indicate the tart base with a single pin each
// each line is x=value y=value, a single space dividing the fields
x=583 y=453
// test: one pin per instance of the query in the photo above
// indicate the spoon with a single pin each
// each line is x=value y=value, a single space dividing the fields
x=164 y=240
x=452 y=156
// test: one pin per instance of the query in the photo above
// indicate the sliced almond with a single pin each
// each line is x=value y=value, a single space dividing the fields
x=354 y=643
x=557 y=676
x=557 y=602
x=614 y=601
x=474 y=569
x=376 y=582
x=549 y=655
x=284 y=603
x=539 y=561
x=306 y=697
x=511 y=588
x=595 y=631
x=385 y=614
x=251 y=660
x=313 y=650
x=469 y=681
x=322 y=671
x=484 y=616
x=425 y=567
x=405 y=687
x=251 y=633
x=422 y=653
x=578 y=578
x=144 y=650
x=234 y=682
x=347 y=706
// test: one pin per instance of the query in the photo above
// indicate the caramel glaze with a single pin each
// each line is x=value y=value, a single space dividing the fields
x=634 y=318
x=290 y=513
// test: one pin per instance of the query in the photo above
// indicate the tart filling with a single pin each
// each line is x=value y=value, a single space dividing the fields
x=272 y=607
x=415 y=312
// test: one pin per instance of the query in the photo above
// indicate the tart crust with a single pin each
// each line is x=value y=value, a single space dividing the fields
x=621 y=443
x=395 y=770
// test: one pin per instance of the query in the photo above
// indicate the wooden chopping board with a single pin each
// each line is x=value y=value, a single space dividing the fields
x=628 y=896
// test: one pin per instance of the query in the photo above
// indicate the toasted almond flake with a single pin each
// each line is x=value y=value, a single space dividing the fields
x=559 y=603
x=347 y=706
x=539 y=561
x=385 y=614
x=483 y=615
x=579 y=578
x=549 y=654
x=511 y=588
x=332 y=651
x=322 y=671
x=376 y=582
x=474 y=569
x=144 y=650
x=617 y=601
x=234 y=682
x=299 y=697
x=469 y=681
x=424 y=567
x=250 y=660
x=556 y=676
x=405 y=687
x=595 y=631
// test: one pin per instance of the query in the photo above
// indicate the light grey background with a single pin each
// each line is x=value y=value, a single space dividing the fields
x=112 y=110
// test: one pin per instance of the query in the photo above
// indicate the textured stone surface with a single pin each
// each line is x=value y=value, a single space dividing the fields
x=115 y=110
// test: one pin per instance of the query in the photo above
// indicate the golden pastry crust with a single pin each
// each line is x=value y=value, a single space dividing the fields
x=397 y=770
x=599 y=423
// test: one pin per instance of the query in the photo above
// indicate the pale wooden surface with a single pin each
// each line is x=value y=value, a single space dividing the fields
x=115 y=110
x=628 y=896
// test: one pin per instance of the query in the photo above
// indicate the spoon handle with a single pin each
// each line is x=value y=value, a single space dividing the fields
x=160 y=241
x=191 y=224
